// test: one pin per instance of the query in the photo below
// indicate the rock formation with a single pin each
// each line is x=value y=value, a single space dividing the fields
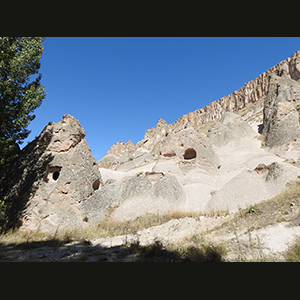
x=251 y=92
x=281 y=111
x=254 y=90
x=149 y=192
x=51 y=177
x=235 y=152
x=214 y=152
x=230 y=129
x=187 y=149
x=120 y=148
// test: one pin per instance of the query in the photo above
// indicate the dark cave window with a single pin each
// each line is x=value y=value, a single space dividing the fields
x=189 y=154
x=55 y=175
x=96 y=184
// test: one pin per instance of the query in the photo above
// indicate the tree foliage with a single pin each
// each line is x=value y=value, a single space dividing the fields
x=20 y=91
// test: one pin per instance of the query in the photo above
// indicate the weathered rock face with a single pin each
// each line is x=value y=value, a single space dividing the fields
x=187 y=149
x=66 y=134
x=215 y=152
x=149 y=192
x=281 y=111
x=154 y=136
x=251 y=92
x=123 y=156
x=52 y=176
x=135 y=195
x=231 y=128
x=252 y=186
x=120 y=148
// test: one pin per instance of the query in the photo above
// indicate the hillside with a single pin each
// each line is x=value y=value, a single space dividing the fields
x=212 y=176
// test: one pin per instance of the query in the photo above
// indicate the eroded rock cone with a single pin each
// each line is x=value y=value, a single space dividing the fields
x=52 y=176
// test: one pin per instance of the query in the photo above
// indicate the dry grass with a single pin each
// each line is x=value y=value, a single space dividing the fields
x=281 y=208
x=293 y=252
x=285 y=207
x=108 y=227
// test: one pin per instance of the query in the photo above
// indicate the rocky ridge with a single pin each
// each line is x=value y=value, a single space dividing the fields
x=246 y=96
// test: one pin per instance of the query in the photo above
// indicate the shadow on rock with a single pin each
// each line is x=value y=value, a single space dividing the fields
x=17 y=183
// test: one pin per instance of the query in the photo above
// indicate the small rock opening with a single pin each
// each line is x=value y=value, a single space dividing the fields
x=96 y=184
x=52 y=174
x=55 y=175
x=171 y=154
x=189 y=153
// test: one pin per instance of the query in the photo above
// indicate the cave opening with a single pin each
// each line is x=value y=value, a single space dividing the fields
x=55 y=175
x=96 y=184
x=189 y=153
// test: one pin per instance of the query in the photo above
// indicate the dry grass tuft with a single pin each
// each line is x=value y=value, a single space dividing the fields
x=293 y=252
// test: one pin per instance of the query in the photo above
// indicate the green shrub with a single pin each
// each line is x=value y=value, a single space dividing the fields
x=254 y=210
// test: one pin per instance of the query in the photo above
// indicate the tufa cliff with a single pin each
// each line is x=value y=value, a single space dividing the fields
x=246 y=96
x=215 y=153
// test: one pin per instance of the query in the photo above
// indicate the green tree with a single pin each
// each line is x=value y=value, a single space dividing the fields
x=20 y=91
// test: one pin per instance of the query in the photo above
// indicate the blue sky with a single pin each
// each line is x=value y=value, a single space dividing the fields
x=118 y=87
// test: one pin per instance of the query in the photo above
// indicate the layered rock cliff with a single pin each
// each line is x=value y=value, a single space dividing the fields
x=250 y=93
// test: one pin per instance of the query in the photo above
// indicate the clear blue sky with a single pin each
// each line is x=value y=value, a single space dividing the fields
x=119 y=87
